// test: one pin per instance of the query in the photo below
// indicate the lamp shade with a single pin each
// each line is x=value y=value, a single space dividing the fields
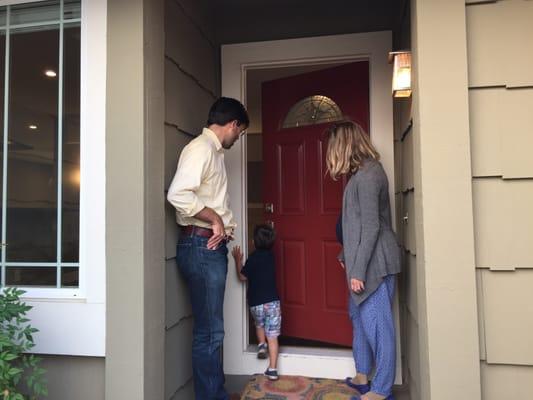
x=401 y=78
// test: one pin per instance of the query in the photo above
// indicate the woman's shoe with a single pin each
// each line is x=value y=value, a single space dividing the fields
x=362 y=389
x=389 y=397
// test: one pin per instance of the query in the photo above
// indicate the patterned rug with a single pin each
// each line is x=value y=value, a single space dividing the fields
x=296 y=388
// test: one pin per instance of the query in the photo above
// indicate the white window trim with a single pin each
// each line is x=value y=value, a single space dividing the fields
x=9 y=2
x=72 y=321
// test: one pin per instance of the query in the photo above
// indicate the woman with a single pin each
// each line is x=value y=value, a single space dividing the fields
x=370 y=255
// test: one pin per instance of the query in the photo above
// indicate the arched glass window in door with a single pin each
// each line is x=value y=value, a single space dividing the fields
x=312 y=110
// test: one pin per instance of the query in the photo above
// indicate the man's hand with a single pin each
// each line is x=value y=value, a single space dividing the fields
x=219 y=234
x=209 y=215
x=357 y=285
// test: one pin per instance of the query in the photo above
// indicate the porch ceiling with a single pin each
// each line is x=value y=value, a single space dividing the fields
x=246 y=20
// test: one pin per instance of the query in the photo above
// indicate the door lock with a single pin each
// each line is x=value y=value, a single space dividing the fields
x=269 y=208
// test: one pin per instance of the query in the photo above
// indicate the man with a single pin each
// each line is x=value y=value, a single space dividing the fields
x=200 y=195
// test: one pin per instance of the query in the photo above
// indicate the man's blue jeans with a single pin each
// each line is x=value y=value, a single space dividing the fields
x=205 y=273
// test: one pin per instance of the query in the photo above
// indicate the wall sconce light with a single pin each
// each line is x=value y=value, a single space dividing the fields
x=401 y=78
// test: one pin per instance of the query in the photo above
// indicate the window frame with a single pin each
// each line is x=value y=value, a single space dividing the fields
x=71 y=321
x=300 y=103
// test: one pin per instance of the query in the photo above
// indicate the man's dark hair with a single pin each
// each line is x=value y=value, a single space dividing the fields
x=225 y=110
x=264 y=236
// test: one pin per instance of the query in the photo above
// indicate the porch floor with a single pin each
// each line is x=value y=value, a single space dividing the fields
x=236 y=384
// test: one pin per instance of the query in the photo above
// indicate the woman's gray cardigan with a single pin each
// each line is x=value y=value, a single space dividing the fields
x=370 y=249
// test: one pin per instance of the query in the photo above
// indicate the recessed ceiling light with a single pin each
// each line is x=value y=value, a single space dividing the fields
x=50 y=73
x=32 y=126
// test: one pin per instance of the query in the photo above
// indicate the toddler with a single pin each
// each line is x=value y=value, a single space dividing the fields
x=262 y=294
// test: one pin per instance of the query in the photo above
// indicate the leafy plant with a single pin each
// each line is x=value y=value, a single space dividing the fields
x=21 y=378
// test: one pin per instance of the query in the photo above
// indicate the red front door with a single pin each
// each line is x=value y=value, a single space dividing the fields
x=305 y=201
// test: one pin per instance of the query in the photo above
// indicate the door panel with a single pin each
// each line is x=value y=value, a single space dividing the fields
x=293 y=254
x=306 y=201
x=291 y=186
x=335 y=299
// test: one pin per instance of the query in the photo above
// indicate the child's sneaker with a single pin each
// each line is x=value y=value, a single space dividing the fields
x=272 y=374
x=262 y=351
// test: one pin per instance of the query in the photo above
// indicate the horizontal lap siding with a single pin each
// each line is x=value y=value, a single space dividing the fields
x=191 y=86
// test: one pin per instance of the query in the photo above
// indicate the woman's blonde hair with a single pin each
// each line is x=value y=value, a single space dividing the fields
x=348 y=146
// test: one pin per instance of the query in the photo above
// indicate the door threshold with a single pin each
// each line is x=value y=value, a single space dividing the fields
x=308 y=351
x=303 y=361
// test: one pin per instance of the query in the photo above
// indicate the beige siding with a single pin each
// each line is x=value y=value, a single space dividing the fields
x=407 y=163
x=499 y=34
x=501 y=132
x=187 y=103
x=487 y=131
x=85 y=377
x=413 y=356
x=177 y=363
x=185 y=392
x=506 y=382
x=507 y=297
x=191 y=84
x=410 y=285
x=503 y=220
x=408 y=221
x=404 y=189
x=189 y=47
x=518 y=121
x=501 y=121
x=481 y=315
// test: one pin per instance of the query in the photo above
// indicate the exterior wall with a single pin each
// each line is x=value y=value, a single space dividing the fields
x=85 y=377
x=404 y=190
x=405 y=222
x=191 y=85
x=135 y=201
x=446 y=328
x=501 y=134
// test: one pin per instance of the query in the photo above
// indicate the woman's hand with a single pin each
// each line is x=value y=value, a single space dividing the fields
x=357 y=285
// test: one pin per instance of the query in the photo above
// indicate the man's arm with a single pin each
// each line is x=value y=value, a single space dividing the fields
x=192 y=166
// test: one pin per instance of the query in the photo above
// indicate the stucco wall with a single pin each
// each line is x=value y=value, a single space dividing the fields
x=500 y=80
x=191 y=86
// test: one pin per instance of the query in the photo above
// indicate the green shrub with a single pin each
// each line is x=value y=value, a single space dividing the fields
x=21 y=378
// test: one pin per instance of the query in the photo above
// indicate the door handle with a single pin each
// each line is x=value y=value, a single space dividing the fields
x=269 y=208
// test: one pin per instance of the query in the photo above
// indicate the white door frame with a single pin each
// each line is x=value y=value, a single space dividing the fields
x=239 y=358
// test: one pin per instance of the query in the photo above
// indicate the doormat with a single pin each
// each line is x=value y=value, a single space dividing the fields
x=296 y=388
